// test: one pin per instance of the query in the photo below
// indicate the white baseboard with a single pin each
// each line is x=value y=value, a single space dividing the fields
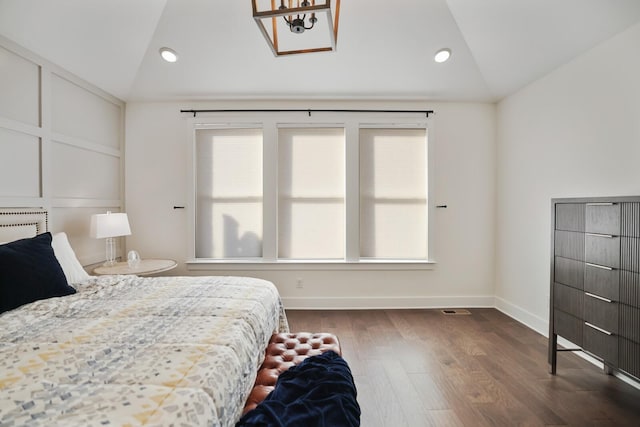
x=361 y=303
x=531 y=320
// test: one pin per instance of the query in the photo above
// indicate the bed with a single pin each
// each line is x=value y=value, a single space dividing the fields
x=126 y=350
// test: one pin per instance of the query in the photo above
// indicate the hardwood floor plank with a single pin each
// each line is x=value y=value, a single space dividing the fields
x=366 y=399
x=410 y=401
x=433 y=398
x=388 y=405
x=443 y=418
x=424 y=368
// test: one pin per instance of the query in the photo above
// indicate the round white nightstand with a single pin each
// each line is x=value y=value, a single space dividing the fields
x=144 y=267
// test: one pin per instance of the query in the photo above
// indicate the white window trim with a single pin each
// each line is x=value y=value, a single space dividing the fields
x=200 y=264
x=352 y=123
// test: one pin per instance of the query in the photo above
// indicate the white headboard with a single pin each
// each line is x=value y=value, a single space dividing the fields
x=20 y=223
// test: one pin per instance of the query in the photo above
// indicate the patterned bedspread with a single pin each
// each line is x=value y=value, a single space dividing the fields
x=130 y=351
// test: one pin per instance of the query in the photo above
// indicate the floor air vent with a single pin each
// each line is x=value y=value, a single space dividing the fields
x=454 y=312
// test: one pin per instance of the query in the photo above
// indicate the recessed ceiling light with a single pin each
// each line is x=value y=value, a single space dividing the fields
x=168 y=55
x=442 y=55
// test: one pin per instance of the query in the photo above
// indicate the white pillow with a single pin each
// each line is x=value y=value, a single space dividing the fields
x=72 y=268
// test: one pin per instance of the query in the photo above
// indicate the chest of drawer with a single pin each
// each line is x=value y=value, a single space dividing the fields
x=630 y=219
x=628 y=359
x=569 y=216
x=630 y=288
x=569 y=244
x=603 y=281
x=630 y=254
x=602 y=250
x=602 y=218
x=600 y=343
x=569 y=272
x=629 y=326
x=601 y=312
x=568 y=299
x=568 y=326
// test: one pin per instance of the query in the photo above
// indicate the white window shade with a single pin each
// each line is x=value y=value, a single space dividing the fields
x=228 y=193
x=311 y=192
x=393 y=194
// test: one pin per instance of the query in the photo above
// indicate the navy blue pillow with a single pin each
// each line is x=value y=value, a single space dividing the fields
x=29 y=271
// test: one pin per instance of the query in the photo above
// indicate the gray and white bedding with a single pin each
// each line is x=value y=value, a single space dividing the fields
x=131 y=351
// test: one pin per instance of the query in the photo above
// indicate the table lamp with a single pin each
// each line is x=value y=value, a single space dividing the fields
x=109 y=226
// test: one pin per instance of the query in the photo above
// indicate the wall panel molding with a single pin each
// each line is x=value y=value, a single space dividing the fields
x=55 y=174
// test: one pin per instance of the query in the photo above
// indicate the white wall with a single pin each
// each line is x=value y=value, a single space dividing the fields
x=157 y=142
x=575 y=132
x=60 y=146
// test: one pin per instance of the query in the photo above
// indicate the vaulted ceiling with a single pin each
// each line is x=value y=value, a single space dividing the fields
x=385 y=48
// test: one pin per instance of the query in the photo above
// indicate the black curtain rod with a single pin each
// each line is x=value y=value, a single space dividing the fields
x=309 y=111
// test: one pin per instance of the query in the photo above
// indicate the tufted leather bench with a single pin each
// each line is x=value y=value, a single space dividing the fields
x=284 y=351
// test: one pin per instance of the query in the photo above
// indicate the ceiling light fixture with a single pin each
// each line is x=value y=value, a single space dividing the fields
x=442 y=55
x=297 y=24
x=168 y=55
x=288 y=36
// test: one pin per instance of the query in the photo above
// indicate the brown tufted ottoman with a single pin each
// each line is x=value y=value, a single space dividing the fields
x=284 y=351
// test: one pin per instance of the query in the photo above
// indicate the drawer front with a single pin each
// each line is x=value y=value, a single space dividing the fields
x=569 y=272
x=570 y=216
x=629 y=357
x=602 y=281
x=601 y=313
x=568 y=326
x=603 y=345
x=602 y=250
x=630 y=288
x=569 y=244
x=602 y=218
x=629 y=322
x=568 y=299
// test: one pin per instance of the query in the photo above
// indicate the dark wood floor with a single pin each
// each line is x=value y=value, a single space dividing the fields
x=424 y=368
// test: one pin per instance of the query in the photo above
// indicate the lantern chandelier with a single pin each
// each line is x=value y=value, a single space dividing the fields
x=298 y=16
x=296 y=25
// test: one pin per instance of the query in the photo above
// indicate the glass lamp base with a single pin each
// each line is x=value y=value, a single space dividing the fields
x=111 y=252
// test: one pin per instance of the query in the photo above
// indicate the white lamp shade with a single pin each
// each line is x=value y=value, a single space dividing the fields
x=109 y=225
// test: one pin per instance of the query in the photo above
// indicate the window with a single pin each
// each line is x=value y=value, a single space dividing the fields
x=289 y=192
x=228 y=193
x=311 y=193
x=393 y=193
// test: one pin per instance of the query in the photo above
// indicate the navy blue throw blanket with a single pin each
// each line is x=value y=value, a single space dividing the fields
x=318 y=392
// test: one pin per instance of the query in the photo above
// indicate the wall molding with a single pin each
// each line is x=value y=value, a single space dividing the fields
x=71 y=184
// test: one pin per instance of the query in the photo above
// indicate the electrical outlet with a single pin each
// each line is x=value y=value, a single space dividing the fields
x=299 y=283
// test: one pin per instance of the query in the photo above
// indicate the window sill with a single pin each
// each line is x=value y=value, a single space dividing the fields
x=248 y=265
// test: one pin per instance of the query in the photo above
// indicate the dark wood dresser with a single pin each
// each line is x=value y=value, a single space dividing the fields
x=595 y=280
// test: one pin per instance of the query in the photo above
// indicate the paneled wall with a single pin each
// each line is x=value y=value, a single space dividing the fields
x=61 y=146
